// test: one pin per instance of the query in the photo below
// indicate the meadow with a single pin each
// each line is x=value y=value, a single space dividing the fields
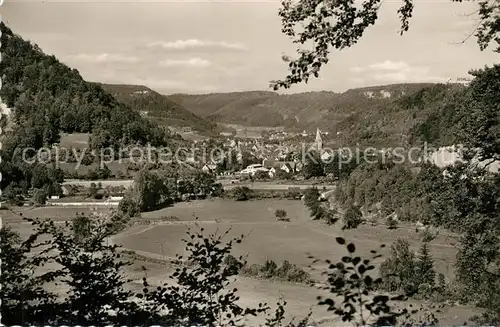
x=250 y=132
x=75 y=140
x=265 y=238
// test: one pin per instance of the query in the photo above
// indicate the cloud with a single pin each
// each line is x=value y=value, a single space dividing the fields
x=357 y=69
x=392 y=77
x=104 y=58
x=192 y=62
x=164 y=86
x=194 y=44
x=390 y=65
x=397 y=72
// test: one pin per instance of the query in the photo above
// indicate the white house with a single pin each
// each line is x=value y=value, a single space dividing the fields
x=325 y=156
x=208 y=168
x=287 y=167
x=239 y=157
x=65 y=190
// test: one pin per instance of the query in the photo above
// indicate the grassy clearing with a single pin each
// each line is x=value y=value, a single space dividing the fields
x=57 y=213
x=268 y=239
x=75 y=140
x=117 y=168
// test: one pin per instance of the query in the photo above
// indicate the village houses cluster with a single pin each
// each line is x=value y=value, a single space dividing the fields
x=278 y=151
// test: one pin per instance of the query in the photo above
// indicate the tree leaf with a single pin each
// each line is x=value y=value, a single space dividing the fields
x=351 y=248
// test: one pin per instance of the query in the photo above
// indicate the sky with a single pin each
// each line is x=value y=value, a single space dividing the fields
x=227 y=46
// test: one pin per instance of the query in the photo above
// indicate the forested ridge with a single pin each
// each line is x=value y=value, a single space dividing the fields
x=47 y=98
x=160 y=108
x=387 y=115
x=463 y=198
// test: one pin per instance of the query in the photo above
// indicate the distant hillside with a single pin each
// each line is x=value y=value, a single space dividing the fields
x=381 y=114
x=162 y=109
x=47 y=98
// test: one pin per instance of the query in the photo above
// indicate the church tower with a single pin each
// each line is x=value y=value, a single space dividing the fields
x=318 y=142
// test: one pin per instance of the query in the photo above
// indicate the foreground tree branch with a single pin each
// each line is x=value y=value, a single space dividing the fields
x=322 y=26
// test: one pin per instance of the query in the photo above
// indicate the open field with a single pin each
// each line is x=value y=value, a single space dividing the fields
x=300 y=299
x=266 y=238
x=75 y=140
x=254 y=132
x=192 y=136
x=15 y=215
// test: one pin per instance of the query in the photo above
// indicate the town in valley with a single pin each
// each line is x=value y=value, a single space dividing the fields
x=266 y=164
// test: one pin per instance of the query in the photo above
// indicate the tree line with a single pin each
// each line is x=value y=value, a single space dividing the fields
x=463 y=198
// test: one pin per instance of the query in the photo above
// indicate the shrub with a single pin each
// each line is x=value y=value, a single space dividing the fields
x=170 y=218
x=217 y=190
x=242 y=193
x=398 y=272
x=231 y=260
x=427 y=235
x=281 y=174
x=281 y=215
x=391 y=222
x=330 y=216
x=261 y=175
x=292 y=273
x=268 y=195
x=352 y=217
x=425 y=268
x=270 y=270
x=354 y=291
x=92 y=192
x=311 y=196
x=293 y=194
x=129 y=206
x=39 y=197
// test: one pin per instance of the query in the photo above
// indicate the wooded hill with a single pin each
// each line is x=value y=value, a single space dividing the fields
x=47 y=98
x=373 y=115
x=160 y=108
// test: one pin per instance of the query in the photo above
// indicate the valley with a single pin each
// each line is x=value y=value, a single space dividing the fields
x=171 y=204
